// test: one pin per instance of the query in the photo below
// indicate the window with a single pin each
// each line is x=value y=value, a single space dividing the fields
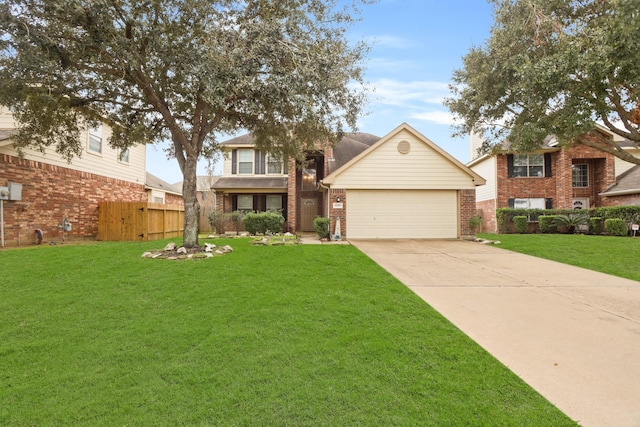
x=245 y=202
x=535 y=203
x=274 y=164
x=580 y=175
x=528 y=165
x=95 y=139
x=123 y=155
x=245 y=161
x=274 y=202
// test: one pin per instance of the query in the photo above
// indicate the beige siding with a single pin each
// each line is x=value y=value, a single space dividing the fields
x=486 y=169
x=6 y=119
x=397 y=214
x=104 y=164
x=421 y=168
x=622 y=166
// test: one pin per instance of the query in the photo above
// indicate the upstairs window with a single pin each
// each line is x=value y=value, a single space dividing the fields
x=580 y=175
x=274 y=164
x=95 y=139
x=245 y=161
x=528 y=165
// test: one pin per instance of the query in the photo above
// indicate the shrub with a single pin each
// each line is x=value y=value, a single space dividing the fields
x=595 y=225
x=217 y=220
x=475 y=222
x=236 y=220
x=521 y=223
x=572 y=222
x=321 y=225
x=545 y=222
x=263 y=222
x=616 y=227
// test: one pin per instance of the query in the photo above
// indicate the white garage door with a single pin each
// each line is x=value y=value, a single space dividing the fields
x=396 y=214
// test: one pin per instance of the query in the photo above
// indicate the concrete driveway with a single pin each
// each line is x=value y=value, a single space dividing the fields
x=572 y=334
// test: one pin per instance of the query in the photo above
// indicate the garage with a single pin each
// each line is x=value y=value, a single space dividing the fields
x=385 y=214
x=403 y=186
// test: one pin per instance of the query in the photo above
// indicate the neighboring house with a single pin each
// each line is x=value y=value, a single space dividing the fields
x=159 y=191
x=54 y=190
x=206 y=197
x=577 y=177
x=399 y=186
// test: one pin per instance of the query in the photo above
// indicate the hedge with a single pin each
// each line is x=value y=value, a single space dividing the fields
x=616 y=227
x=263 y=222
x=505 y=216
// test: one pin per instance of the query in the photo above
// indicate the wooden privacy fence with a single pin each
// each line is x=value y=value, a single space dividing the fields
x=141 y=221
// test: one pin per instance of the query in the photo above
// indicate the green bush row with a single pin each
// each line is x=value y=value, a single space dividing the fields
x=566 y=220
x=321 y=225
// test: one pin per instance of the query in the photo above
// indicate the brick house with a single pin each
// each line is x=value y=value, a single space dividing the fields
x=54 y=190
x=402 y=185
x=576 y=177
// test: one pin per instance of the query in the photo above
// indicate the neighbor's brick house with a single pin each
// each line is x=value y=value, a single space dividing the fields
x=54 y=190
x=577 y=177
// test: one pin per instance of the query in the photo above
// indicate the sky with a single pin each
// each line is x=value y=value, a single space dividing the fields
x=415 y=47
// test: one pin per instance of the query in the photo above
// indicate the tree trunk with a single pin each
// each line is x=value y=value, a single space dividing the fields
x=191 y=205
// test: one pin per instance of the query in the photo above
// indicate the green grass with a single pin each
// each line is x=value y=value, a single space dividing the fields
x=606 y=254
x=313 y=335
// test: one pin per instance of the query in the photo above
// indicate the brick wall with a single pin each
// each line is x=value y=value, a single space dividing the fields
x=559 y=186
x=52 y=193
x=623 y=200
x=467 y=200
x=487 y=210
x=292 y=196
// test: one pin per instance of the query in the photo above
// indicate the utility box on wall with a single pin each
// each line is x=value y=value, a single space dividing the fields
x=15 y=191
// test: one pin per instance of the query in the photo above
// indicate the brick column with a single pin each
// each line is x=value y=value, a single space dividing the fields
x=292 y=197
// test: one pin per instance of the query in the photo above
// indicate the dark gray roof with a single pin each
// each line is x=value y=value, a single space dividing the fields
x=246 y=139
x=349 y=147
x=153 y=181
x=252 y=182
x=626 y=183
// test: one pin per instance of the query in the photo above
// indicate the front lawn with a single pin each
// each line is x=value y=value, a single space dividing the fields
x=313 y=335
x=606 y=254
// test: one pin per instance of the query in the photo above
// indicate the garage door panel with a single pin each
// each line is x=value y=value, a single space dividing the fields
x=401 y=214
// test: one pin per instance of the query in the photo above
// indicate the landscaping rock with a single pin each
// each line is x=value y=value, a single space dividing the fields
x=170 y=247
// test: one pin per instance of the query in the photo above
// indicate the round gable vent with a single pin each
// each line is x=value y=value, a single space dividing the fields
x=404 y=147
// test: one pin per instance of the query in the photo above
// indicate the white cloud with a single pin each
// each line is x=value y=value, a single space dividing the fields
x=409 y=94
x=390 y=41
x=438 y=117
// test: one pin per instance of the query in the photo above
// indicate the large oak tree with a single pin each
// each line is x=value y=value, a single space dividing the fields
x=553 y=67
x=183 y=70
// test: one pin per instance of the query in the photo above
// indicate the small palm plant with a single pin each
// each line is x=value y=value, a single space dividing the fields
x=571 y=222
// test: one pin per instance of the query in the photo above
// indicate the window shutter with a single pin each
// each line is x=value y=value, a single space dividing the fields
x=547 y=165
x=263 y=203
x=548 y=203
x=286 y=166
x=260 y=162
x=510 y=165
x=234 y=201
x=256 y=207
x=234 y=168
x=512 y=203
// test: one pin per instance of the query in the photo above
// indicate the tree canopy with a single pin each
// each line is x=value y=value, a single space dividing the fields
x=182 y=70
x=553 y=67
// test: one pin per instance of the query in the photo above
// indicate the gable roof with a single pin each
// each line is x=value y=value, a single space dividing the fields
x=431 y=146
x=627 y=183
x=153 y=182
x=350 y=146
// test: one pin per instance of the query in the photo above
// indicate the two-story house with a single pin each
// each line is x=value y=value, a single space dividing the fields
x=552 y=177
x=399 y=186
x=54 y=190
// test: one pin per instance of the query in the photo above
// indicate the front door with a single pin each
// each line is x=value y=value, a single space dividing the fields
x=308 y=213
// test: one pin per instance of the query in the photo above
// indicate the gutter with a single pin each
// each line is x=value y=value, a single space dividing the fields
x=620 y=193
